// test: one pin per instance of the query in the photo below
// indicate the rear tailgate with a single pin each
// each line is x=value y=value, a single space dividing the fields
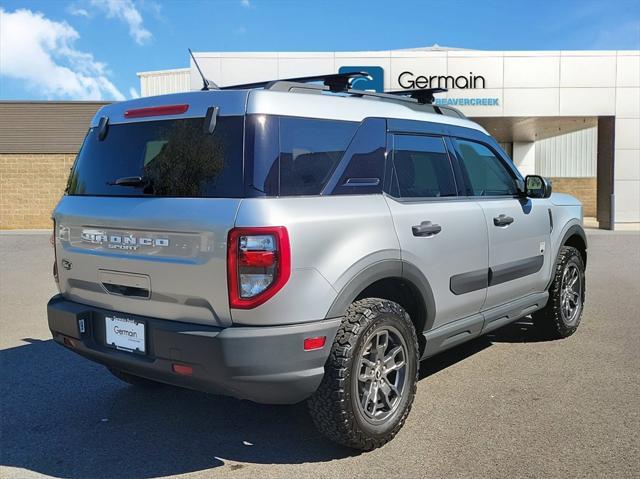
x=159 y=257
x=150 y=200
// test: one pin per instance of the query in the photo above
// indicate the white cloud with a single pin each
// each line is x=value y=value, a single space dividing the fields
x=77 y=11
x=127 y=12
x=41 y=52
x=245 y=3
x=133 y=93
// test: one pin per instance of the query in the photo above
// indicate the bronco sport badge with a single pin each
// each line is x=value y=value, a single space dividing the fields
x=120 y=241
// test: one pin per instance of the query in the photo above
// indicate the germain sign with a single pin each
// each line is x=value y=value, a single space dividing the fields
x=375 y=82
x=409 y=81
x=481 y=101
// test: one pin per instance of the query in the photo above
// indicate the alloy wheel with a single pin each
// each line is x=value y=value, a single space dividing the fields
x=571 y=293
x=382 y=374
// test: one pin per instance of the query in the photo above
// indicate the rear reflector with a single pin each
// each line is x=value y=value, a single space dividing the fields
x=182 y=369
x=256 y=258
x=156 y=111
x=314 y=343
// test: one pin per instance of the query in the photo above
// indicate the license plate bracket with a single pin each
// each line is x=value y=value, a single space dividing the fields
x=125 y=334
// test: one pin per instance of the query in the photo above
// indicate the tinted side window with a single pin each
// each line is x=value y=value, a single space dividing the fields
x=421 y=167
x=309 y=152
x=286 y=156
x=485 y=174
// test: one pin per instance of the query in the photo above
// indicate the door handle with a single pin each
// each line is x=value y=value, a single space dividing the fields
x=426 y=228
x=502 y=220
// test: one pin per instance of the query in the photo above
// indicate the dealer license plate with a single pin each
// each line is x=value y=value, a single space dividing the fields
x=125 y=333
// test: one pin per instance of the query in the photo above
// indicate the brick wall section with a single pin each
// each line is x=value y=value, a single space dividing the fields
x=30 y=187
x=585 y=189
x=32 y=184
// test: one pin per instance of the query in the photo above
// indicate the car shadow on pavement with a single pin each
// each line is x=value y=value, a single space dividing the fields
x=64 y=416
x=521 y=331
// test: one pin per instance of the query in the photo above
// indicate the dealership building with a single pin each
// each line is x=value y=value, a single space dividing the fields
x=573 y=116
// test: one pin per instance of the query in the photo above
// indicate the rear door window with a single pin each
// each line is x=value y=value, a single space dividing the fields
x=172 y=158
x=364 y=161
x=421 y=168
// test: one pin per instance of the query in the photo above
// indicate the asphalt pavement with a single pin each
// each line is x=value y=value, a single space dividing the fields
x=505 y=405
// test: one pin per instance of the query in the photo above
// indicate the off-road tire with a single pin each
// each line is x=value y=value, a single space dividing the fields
x=333 y=407
x=549 y=320
x=135 y=380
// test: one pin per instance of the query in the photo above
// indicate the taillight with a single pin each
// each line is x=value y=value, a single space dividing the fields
x=258 y=264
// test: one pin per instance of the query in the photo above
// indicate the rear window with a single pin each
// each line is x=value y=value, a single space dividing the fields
x=294 y=156
x=172 y=157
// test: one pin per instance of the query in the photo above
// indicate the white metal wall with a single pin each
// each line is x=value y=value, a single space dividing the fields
x=572 y=155
x=507 y=147
x=165 y=81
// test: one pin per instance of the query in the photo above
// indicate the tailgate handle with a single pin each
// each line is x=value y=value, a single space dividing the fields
x=126 y=290
x=125 y=284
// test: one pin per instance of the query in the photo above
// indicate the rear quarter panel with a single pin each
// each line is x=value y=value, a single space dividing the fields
x=333 y=238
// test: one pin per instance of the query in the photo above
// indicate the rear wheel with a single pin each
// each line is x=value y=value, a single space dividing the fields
x=135 y=380
x=370 y=376
x=562 y=314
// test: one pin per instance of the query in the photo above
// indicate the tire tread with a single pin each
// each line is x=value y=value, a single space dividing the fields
x=330 y=405
x=549 y=319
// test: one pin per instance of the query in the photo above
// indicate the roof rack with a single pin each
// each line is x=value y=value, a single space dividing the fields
x=336 y=82
x=422 y=95
x=421 y=100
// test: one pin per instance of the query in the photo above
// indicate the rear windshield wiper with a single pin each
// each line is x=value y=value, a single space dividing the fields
x=129 y=181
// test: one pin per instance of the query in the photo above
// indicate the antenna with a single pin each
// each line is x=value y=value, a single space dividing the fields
x=206 y=84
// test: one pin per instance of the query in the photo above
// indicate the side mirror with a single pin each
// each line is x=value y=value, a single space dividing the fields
x=537 y=186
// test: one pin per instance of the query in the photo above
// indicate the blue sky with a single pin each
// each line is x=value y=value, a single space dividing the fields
x=92 y=49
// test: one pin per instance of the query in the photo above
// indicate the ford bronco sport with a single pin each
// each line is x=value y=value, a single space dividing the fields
x=294 y=241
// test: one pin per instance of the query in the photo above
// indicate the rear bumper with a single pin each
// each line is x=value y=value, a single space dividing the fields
x=262 y=364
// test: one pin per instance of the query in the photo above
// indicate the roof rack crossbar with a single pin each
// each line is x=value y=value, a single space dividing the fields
x=422 y=95
x=341 y=82
x=336 y=82
x=395 y=97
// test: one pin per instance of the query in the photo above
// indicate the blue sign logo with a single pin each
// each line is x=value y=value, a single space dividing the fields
x=376 y=83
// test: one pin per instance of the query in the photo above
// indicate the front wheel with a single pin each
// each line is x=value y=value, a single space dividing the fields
x=562 y=314
x=370 y=376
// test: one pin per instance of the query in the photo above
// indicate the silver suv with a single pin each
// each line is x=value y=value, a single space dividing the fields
x=295 y=241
